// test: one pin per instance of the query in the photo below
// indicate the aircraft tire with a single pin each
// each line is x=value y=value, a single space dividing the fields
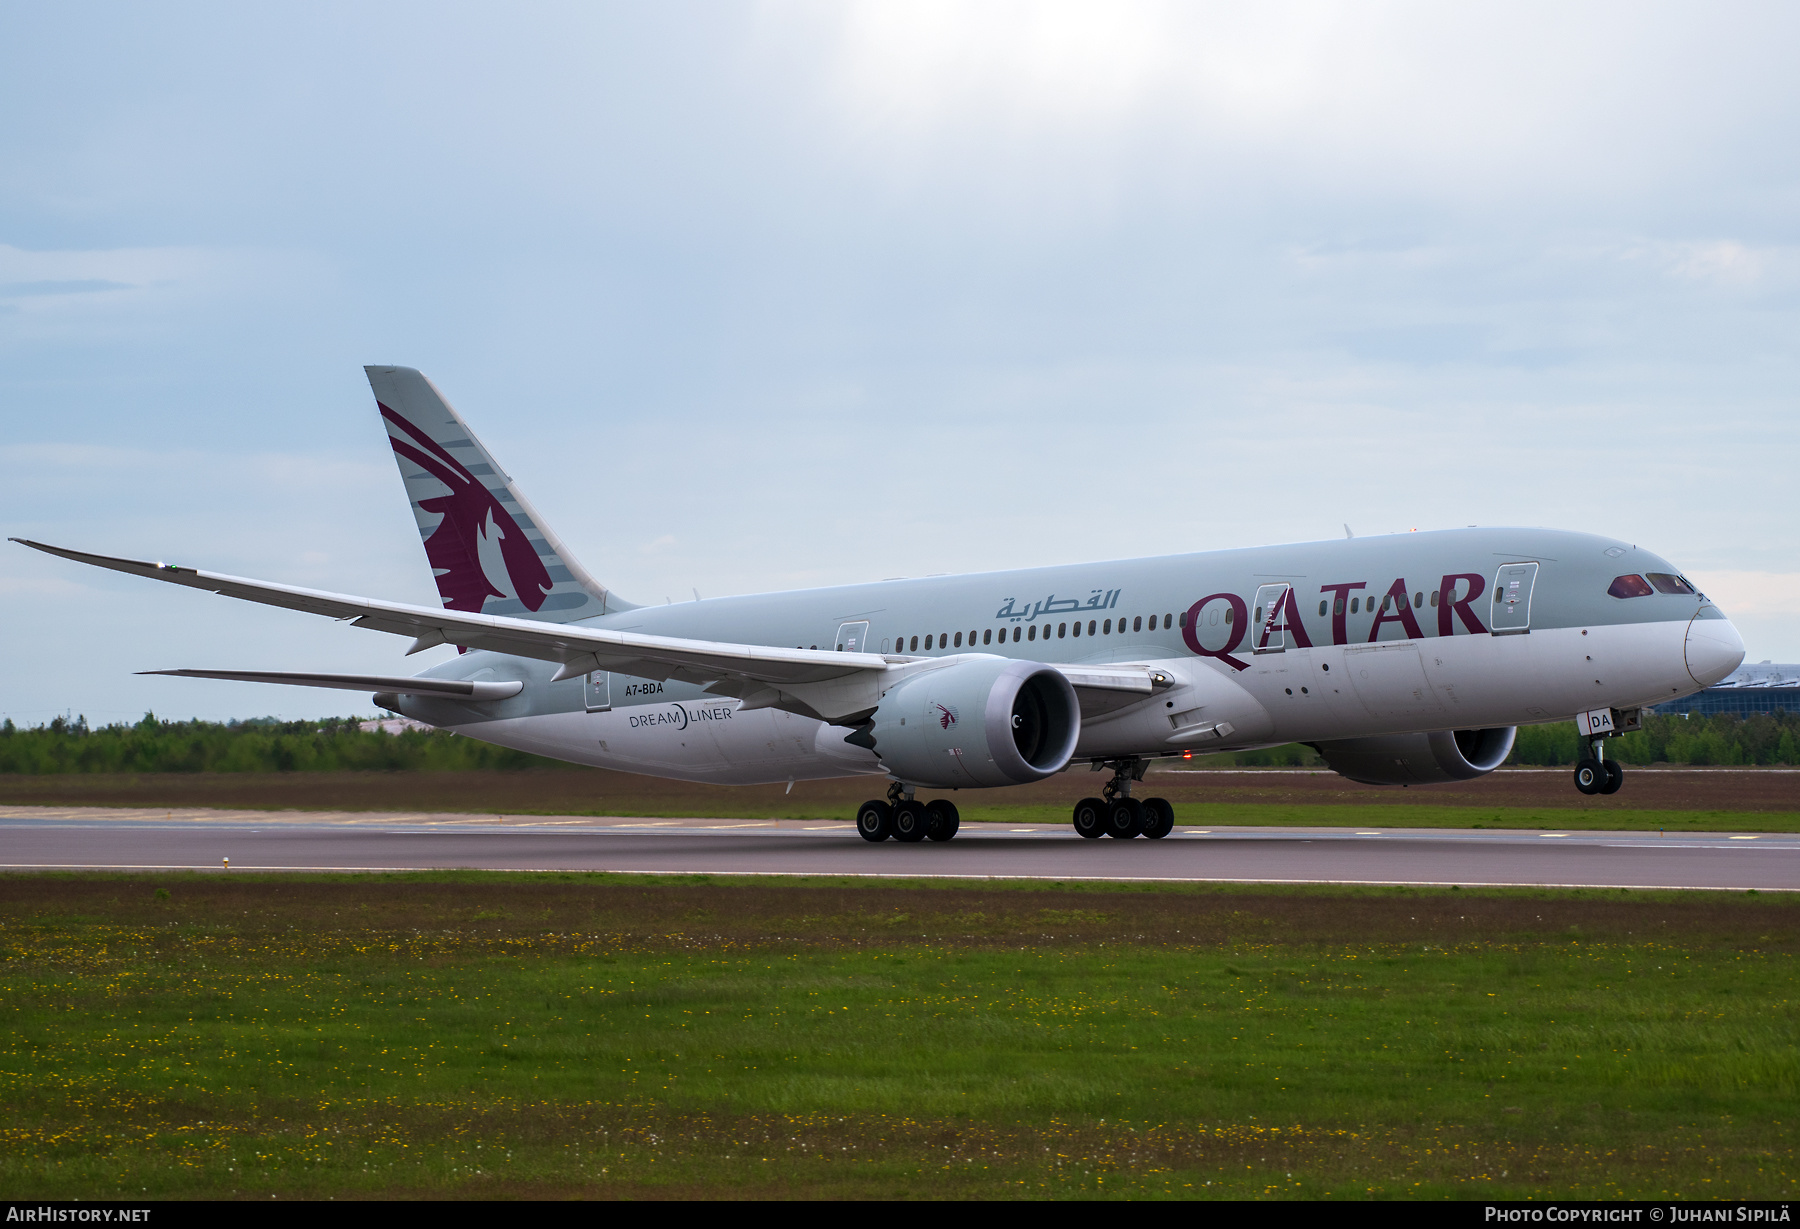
x=1615 y=777
x=875 y=820
x=941 y=819
x=1090 y=818
x=1590 y=776
x=1159 y=818
x=1124 y=819
x=910 y=823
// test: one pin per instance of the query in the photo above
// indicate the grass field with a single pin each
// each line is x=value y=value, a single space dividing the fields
x=493 y=1035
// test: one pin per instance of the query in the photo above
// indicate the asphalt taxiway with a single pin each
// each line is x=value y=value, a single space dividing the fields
x=95 y=838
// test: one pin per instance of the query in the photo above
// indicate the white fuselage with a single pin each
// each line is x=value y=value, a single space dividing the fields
x=1300 y=695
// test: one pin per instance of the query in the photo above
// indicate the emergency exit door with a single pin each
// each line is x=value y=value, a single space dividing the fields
x=597 y=691
x=854 y=637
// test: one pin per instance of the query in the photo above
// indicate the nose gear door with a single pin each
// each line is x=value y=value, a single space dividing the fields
x=1269 y=628
x=853 y=637
x=1511 y=613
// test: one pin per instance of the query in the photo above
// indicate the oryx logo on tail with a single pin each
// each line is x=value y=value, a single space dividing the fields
x=477 y=550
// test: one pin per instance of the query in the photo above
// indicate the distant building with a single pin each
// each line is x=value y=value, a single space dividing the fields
x=1766 y=687
x=392 y=725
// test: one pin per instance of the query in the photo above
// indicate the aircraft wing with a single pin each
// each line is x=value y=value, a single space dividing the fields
x=822 y=683
x=459 y=689
x=579 y=649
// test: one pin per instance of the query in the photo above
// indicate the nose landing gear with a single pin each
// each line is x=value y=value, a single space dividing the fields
x=1594 y=775
x=1118 y=814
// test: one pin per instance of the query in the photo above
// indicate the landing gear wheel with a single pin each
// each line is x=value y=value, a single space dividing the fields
x=1124 y=818
x=1590 y=776
x=875 y=820
x=1159 y=818
x=1090 y=818
x=941 y=819
x=1615 y=777
x=909 y=821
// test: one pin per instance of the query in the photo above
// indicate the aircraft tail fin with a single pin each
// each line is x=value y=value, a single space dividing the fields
x=489 y=549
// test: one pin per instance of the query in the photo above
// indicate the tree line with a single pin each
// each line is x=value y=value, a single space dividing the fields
x=264 y=745
x=337 y=745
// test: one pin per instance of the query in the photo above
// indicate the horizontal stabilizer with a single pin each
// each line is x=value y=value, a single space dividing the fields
x=400 y=684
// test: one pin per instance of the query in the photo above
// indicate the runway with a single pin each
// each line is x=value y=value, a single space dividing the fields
x=94 y=838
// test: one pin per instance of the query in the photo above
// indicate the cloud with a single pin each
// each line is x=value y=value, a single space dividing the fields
x=87 y=294
x=92 y=285
x=1752 y=593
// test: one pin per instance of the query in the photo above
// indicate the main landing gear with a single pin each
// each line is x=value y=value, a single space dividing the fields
x=904 y=818
x=1118 y=814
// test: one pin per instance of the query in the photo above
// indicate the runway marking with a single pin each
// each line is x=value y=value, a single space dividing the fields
x=740 y=874
x=1368 y=834
x=1742 y=838
x=1550 y=836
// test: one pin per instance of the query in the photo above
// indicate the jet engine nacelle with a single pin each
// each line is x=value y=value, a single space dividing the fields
x=978 y=721
x=1420 y=759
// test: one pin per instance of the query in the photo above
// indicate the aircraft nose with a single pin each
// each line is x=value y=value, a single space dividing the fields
x=1714 y=648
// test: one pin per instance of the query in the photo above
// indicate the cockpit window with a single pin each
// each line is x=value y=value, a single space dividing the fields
x=1630 y=586
x=1666 y=583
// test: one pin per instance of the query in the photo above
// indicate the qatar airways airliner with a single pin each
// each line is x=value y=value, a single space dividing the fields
x=1407 y=659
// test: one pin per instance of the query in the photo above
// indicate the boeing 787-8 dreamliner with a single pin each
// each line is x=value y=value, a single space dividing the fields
x=1405 y=659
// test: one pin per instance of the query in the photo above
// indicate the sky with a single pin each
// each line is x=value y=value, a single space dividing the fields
x=768 y=296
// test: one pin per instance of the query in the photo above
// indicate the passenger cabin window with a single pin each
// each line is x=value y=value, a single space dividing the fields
x=1032 y=634
x=1355 y=605
x=1418 y=599
x=1016 y=634
x=1091 y=626
x=1321 y=608
x=987 y=637
x=1137 y=625
x=1108 y=628
x=1229 y=612
x=915 y=644
x=1062 y=629
x=971 y=640
x=1666 y=583
x=959 y=640
x=1629 y=586
x=1434 y=595
x=1075 y=630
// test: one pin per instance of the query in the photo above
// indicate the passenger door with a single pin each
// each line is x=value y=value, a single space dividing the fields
x=1266 y=637
x=1511 y=614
